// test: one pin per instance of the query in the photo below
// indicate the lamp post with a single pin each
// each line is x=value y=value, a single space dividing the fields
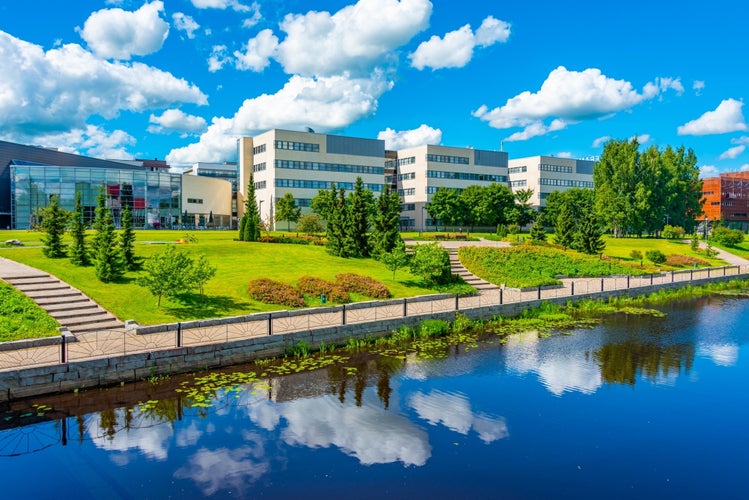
x=704 y=228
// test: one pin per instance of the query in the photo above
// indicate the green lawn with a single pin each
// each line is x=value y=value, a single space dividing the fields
x=620 y=248
x=742 y=249
x=21 y=318
x=226 y=295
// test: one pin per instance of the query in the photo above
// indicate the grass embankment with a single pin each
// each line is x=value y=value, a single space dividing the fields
x=21 y=318
x=526 y=266
x=226 y=294
x=621 y=248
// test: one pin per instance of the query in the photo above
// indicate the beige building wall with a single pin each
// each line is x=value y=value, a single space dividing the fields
x=303 y=163
x=206 y=195
x=546 y=174
x=422 y=170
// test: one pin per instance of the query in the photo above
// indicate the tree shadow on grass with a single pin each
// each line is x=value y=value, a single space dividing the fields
x=190 y=307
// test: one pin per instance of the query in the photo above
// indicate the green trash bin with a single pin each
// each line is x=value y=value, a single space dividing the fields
x=323 y=299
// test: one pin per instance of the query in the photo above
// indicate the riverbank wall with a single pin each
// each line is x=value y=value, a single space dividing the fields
x=162 y=358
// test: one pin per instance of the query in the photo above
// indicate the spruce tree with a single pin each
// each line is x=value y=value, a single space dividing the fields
x=53 y=225
x=564 y=228
x=359 y=213
x=538 y=233
x=106 y=254
x=336 y=229
x=590 y=237
x=385 y=228
x=127 y=240
x=251 y=228
x=78 y=249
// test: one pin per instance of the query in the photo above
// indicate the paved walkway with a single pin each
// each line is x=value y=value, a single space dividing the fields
x=69 y=306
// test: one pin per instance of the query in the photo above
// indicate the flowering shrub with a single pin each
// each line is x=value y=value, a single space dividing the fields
x=364 y=285
x=317 y=286
x=274 y=292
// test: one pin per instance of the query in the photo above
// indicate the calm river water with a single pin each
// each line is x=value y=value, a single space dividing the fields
x=639 y=407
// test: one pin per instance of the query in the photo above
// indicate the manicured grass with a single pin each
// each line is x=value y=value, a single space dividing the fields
x=226 y=294
x=621 y=248
x=21 y=318
x=742 y=249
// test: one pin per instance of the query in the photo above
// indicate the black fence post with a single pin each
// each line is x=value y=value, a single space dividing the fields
x=602 y=284
x=628 y=282
x=270 y=325
x=456 y=303
x=672 y=276
x=539 y=292
x=572 y=288
x=343 y=316
x=708 y=272
x=651 y=280
x=691 y=274
x=405 y=307
x=63 y=350
x=501 y=296
x=179 y=334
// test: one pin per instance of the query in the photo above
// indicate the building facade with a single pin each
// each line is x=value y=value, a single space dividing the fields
x=417 y=173
x=206 y=203
x=29 y=175
x=727 y=199
x=303 y=163
x=546 y=174
x=228 y=171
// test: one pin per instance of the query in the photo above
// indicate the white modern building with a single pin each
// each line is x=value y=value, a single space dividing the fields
x=228 y=171
x=303 y=163
x=422 y=170
x=546 y=174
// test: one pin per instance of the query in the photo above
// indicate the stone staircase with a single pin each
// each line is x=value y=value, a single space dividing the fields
x=70 y=307
x=457 y=268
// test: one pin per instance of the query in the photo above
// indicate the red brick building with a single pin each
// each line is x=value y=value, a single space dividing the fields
x=727 y=199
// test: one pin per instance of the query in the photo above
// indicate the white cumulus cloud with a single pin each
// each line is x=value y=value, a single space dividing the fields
x=258 y=52
x=119 y=34
x=218 y=58
x=255 y=18
x=707 y=171
x=698 y=86
x=568 y=97
x=176 y=120
x=88 y=141
x=324 y=103
x=403 y=139
x=601 y=140
x=58 y=90
x=732 y=153
x=221 y=4
x=354 y=39
x=456 y=48
x=727 y=117
x=185 y=23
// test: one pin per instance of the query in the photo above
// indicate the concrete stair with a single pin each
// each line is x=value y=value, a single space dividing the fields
x=70 y=307
x=457 y=268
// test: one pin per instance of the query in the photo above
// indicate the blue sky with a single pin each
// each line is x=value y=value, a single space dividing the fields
x=182 y=79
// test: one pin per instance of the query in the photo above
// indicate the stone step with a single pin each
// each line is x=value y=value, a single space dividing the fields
x=55 y=300
x=77 y=313
x=80 y=305
x=58 y=295
x=42 y=287
x=72 y=323
x=31 y=281
x=11 y=279
x=100 y=326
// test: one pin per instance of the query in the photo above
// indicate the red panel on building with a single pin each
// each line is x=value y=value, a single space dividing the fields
x=727 y=197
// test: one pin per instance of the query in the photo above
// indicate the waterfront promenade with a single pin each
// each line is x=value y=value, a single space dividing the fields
x=90 y=357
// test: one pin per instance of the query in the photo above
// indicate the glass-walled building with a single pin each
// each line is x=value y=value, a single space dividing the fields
x=153 y=196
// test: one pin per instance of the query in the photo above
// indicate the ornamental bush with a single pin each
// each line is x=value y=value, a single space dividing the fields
x=363 y=285
x=311 y=285
x=728 y=237
x=673 y=232
x=678 y=260
x=274 y=292
x=655 y=256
